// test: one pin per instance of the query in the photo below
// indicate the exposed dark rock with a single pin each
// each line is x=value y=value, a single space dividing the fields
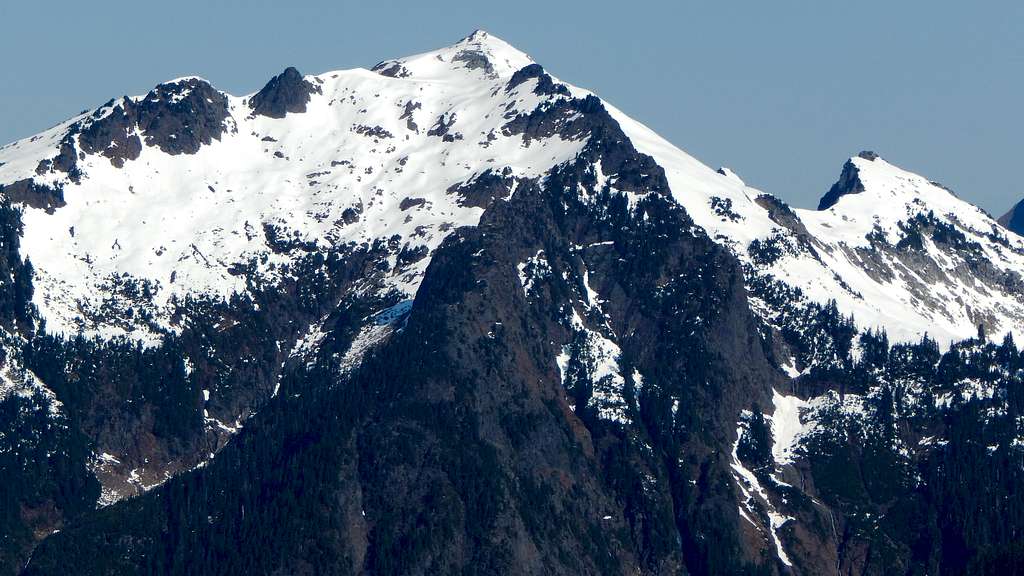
x=408 y=203
x=412 y=254
x=67 y=159
x=848 y=183
x=475 y=60
x=391 y=69
x=523 y=74
x=372 y=131
x=723 y=208
x=281 y=241
x=546 y=86
x=351 y=215
x=482 y=190
x=1014 y=219
x=781 y=214
x=442 y=124
x=177 y=117
x=407 y=112
x=286 y=92
x=115 y=137
x=181 y=117
x=35 y=195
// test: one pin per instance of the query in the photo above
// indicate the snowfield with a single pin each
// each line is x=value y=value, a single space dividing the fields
x=364 y=144
x=375 y=157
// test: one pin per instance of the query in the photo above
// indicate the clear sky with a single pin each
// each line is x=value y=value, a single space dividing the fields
x=782 y=92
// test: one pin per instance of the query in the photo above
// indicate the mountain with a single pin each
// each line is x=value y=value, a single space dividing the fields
x=1014 y=219
x=452 y=314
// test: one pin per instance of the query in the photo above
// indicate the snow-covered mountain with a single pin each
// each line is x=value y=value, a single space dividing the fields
x=645 y=331
x=892 y=248
x=353 y=157
x=139 y=191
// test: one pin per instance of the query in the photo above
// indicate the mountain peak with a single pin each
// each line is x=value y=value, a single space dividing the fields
x=479 y=35
x=849 y=182
x=286 y=92
x=485 y=41
x=849 y=179
x=480 y=52
x=186 y=80
x=868 y=171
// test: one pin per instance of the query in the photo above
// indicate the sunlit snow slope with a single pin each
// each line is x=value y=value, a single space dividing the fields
x=895 y=250
x=374 y=156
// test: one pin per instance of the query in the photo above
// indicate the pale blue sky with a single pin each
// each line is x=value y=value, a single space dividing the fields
x=782 y=92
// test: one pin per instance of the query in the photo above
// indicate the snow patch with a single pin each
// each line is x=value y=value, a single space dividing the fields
x=597 y=360
x=535 y=268
x=786 y=426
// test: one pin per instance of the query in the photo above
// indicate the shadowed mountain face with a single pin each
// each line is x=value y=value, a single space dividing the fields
x=459 y=446
x=1014 y=219
x=451 y=315
x=286 y=92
